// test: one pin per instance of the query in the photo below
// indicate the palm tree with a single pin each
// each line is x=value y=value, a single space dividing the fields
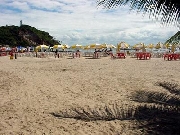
x=168 y=11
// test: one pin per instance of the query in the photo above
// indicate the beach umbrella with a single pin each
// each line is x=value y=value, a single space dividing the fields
x=139 y=46
x=122 y=45
x=104 y=45
x=65 y=46
x=167 y=45
x=95 y=46
x=58 y=47
x=151 y=46
x=107 y=45
x=173 y=47
x=159 y=45
x=76 y=46
x=86 y=47
x=44 y=46
x=111 y=46
x=41 y=47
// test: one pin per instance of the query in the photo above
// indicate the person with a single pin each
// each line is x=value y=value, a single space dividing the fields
x=56 y=53
x=78 y=53
x=96 y=54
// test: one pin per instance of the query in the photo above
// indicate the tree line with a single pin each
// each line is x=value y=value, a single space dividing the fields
x=24 y=35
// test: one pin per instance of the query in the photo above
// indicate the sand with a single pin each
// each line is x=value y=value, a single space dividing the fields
x=31 y=89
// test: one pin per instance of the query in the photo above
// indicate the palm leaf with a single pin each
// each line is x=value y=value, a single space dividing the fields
x=168 y=11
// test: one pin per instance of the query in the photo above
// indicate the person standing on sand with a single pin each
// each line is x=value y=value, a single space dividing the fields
x=56 y=52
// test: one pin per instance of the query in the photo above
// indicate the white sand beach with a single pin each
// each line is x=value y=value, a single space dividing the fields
x=32 y=89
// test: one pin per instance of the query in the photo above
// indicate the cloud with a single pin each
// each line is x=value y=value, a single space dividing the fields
x=80 y=21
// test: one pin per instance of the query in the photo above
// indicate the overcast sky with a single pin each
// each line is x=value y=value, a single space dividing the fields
x=81 y=22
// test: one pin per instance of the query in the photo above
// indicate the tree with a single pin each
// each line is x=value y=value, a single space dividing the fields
x=168 y=11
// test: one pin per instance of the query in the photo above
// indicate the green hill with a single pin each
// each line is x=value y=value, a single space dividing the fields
x=24 y=35
x=174 y=39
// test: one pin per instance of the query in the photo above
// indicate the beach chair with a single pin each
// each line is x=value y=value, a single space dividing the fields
x=121 y=55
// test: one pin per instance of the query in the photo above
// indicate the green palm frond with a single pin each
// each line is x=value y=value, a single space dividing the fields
x=168 y=11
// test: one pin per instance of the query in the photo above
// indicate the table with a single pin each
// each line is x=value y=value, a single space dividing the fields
x=121 y=55
x=171 y=56
x=143 y=55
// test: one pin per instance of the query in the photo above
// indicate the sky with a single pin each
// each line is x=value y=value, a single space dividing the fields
x=82 y=22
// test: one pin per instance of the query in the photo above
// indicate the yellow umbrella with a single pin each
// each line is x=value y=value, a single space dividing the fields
x=44 y=46
x=41 y=47
x=58 y=47
x=173 y=48
x=76 y=46
x=151 y=46
x=65 y=46
x=104 y=45
x=95 y=46
x=122 y=45
x=111 y=46
x=86 y=47
x=139 y=46
x=167 y=45
x=37 y=48
x=159 y=45
x=107 y=45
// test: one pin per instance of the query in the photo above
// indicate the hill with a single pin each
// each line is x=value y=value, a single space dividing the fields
x=174 y=39
x=24 y=35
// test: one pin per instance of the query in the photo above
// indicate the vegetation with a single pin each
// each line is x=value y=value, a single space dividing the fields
x=175 y=39
x=24 y=36
x=168 y=11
